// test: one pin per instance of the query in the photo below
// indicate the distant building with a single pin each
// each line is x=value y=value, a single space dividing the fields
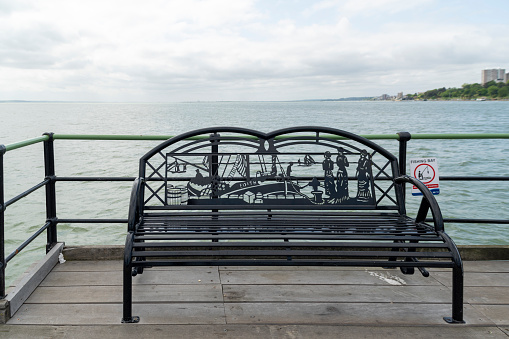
x=399 y=96
x=495 y=74
x=506 y=77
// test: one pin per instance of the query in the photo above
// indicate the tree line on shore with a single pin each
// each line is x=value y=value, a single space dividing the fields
x=492 y=90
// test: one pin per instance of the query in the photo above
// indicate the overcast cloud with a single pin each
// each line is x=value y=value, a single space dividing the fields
x=162 y=51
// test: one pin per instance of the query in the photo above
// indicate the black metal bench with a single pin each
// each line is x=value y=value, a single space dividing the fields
x=298 y=196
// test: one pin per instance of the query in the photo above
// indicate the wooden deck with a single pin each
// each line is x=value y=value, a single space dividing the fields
x=82 y=299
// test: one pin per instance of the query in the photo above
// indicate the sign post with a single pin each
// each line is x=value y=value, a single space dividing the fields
x=426 y=170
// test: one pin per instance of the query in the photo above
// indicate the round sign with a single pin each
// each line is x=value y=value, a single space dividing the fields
x=425 y=173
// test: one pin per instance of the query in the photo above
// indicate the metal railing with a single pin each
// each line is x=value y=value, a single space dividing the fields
x=48 y=182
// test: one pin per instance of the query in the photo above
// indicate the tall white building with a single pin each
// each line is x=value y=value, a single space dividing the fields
x=495 y=74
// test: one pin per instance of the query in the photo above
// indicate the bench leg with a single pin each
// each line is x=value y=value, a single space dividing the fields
x=128 y=297
x=127 y=316
x=457 y=297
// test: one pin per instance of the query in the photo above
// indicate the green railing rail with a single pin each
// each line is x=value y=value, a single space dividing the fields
x=48 y=182
x=24 y=143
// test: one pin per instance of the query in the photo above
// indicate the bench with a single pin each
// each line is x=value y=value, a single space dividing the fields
x=303 y=196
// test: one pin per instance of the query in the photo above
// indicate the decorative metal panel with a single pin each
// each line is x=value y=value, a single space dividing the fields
x=233 y=169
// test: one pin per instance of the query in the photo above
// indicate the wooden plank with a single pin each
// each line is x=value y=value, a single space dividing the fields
x=83 y=278
x=499 y=314
x=108 y=314
x=252 y=331
x=194 y=276
x=90 y=266
x=301 y=277
x=113 y=294
x=505 y=329
x=487 y=295
x=388 y=314
x=29 y=283
x=303 y=268
x=476 y=279
x=336 y=293
x=115 y=265
x=202 y=275
x=480 y=266
x=493 y=266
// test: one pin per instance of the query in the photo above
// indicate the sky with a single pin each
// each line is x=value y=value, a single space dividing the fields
x=220 y=50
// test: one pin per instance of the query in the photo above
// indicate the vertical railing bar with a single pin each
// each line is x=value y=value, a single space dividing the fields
x=2 y=224
x=214 y=166
x=51 y=208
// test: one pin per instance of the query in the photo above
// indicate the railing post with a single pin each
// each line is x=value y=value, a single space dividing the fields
x=2 y=224
x=51 y=203
x=403 y=139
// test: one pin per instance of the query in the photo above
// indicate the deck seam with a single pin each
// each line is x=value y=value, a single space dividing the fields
x=222 y=294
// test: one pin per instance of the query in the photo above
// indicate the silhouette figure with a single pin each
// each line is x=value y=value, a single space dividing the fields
x=363 y=177
x=341 y=178
x=328 y=167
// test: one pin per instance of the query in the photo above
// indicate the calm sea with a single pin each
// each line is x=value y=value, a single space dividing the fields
x=24 y=167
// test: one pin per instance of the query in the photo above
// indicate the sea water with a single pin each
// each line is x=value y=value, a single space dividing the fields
x=24 y=167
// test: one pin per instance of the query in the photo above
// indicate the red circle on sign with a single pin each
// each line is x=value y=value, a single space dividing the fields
x=432 y=169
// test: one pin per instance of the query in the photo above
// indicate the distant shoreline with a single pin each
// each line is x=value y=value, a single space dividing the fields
x=355 y=99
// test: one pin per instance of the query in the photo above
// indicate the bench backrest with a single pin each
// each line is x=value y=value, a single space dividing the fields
x=293 y=168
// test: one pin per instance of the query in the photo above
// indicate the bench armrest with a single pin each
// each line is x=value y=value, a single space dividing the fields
x=135 y=204
x=428 y=202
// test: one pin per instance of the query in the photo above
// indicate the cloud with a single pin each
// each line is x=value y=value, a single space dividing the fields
x=378 y=7
x=223 y=50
